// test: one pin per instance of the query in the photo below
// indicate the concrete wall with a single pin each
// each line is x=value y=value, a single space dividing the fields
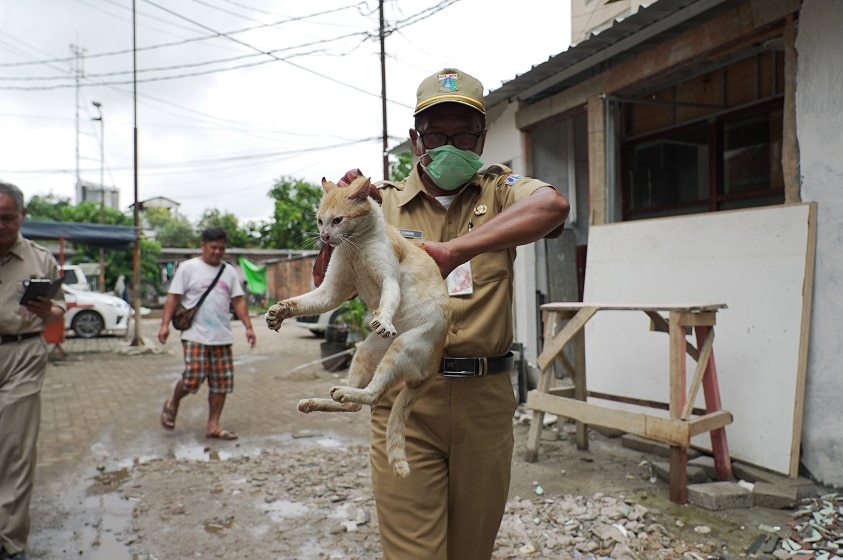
x=819 y=114
x=289 y=278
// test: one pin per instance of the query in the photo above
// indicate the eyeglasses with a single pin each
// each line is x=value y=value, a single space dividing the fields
x=461 y=140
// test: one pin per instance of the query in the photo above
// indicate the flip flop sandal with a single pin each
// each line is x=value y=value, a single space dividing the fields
x=221 y=433
x=168 y=416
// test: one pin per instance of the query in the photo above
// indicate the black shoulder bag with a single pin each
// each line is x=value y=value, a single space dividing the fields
x=183 y=317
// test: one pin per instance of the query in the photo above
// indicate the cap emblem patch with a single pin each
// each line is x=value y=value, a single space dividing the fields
x=448 y=83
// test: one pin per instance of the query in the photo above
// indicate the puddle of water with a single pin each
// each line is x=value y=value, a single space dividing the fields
x=96 y=526
x=108 y=481
x=100 y=539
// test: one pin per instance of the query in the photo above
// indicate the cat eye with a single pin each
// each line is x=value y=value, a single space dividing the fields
x=460 y=140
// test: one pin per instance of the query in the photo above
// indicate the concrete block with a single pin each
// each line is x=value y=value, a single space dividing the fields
x=696 y=474
x=707 y=462
x=645 y=445
x=717 y=496
x=776 y=496
x=805 y=487
x=750 y=473
x=651 y=446
x=607 y=432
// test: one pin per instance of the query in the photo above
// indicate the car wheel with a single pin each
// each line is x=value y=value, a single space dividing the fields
x=336 y=332
x=87 y=324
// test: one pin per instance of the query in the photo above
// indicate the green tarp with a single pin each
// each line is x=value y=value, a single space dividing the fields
x=255 y=275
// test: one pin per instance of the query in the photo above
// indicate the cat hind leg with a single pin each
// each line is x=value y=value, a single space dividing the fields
x=360 y=373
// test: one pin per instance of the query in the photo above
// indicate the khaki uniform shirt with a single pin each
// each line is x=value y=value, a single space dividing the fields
x=481 y=321
x=25 y=260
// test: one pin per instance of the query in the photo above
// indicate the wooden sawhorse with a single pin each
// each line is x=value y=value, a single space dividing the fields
x=677 y=430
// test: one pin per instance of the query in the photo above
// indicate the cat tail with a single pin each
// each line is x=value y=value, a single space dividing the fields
x=397 y=422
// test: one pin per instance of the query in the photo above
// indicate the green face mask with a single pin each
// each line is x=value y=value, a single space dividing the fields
x=450 y=167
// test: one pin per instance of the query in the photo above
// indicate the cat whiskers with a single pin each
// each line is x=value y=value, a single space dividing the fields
x=349 y=241
x=311 y=240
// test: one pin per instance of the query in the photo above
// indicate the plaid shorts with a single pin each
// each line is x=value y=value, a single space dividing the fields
x=213 y=362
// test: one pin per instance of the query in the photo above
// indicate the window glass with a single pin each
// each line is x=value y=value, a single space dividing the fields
x=670 y=170
x=752 y=153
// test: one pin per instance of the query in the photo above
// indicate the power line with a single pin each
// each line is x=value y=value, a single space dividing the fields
x=182 y=42
x=424 y=14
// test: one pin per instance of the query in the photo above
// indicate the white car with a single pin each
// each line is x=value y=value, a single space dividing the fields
x=74 y=276
x=91 y=314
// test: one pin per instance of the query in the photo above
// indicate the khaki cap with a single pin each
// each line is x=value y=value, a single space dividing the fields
x=452 y=86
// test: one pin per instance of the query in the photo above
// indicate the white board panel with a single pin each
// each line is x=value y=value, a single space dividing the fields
x=752 y=260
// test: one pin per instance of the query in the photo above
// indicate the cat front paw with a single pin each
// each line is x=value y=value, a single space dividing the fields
x=383 y=327
x=276 y=314
x=347 y=395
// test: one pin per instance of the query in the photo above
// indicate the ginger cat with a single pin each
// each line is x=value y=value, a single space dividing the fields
x=396 y=279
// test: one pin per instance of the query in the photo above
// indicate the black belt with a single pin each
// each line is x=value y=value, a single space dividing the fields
x=7 y=338
x=476 y=367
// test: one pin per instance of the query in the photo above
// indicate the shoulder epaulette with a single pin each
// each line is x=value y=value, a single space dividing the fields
x=393 y=184
x=41 y=248
x=496 y=170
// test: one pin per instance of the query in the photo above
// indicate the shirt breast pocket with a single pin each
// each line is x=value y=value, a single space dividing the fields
x=490 y=267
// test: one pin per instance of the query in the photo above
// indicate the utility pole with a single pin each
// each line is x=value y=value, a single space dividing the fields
x=383 y=94
x=79 y=71
x=100 y=118
x=137 y=339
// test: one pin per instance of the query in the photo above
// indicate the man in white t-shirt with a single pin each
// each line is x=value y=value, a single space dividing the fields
x=207 y=343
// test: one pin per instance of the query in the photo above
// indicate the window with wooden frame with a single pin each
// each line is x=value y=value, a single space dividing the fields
x=710 y=143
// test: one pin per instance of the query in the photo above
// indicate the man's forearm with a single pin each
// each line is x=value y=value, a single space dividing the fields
x=524 y=222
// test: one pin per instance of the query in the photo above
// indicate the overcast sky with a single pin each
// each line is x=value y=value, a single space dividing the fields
x=219 y=119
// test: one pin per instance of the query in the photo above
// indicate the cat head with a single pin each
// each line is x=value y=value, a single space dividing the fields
x=344 y=211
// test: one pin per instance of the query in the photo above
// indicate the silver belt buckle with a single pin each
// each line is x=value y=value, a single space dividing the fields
x=481 y=367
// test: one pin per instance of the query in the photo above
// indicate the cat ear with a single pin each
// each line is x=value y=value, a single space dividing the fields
x=361 y=188
x=327 y=185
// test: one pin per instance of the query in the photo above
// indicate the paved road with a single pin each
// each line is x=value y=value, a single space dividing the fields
x=100 y=408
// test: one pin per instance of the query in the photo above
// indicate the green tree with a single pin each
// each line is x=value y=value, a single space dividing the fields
x=400 y=167
x=237 y=236
x=46 y=208
x=294 y=218
x=171 y=230
x=52 y=208
x=177 y=232
x=157 y=217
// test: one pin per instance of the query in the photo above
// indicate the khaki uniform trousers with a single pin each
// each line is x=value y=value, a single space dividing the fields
x=459 y=446
x=22 y=368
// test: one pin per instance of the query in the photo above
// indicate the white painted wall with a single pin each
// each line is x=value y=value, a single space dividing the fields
x=503 y=145
x=819 y=113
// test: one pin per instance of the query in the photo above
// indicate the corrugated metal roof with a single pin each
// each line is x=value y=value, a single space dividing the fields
x=627 y=37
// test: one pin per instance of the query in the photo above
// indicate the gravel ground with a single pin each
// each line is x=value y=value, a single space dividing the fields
x=297 y=486
x=316 y=503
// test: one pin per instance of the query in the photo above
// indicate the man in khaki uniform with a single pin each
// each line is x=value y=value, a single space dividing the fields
x=459 y=435
x=23 y=364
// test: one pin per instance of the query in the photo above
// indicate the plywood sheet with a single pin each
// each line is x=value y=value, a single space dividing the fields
x=756 y=262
